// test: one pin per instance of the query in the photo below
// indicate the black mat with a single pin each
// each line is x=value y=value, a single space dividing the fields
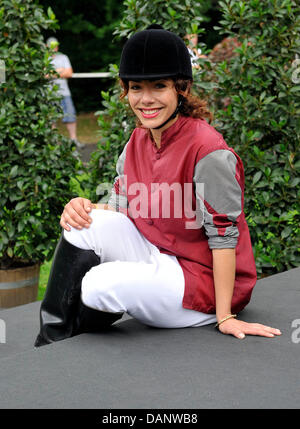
x=135 y=366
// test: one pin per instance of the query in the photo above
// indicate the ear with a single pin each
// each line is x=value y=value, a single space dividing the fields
x=188 y=89
x=183 y=94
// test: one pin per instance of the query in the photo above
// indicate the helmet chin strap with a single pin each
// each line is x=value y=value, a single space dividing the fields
x=174 y=114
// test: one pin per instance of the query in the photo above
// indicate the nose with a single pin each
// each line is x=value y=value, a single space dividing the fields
x=147 y=96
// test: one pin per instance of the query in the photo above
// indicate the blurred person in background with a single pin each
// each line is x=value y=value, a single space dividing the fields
x=63 y=68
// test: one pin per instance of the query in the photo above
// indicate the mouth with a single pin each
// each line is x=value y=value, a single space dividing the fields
x=149 y=113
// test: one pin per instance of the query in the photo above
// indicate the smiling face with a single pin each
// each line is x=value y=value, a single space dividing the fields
x=153 y=102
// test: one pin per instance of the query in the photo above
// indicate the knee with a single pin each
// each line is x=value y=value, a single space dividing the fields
x=85 y=238
x=105 y=217
x=76 y=237
x=102 y=220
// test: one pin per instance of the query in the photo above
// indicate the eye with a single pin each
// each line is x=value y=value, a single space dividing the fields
x=160 y=85
x=134 y=87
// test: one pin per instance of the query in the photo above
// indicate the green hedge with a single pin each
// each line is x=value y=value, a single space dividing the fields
x=36 y=162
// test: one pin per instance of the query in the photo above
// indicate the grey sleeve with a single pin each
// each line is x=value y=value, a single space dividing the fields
x=222 y=197
x=118 y=196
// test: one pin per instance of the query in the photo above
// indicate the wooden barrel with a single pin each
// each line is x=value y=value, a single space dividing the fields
x=19 y=286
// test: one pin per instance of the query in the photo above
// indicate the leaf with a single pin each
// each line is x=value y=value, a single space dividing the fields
x=21 y=205
x=286 y=232
x=10 y=252
x=268 y=171
x=295 y=88
x=256 y=135
x=256 y=177
x=50 y=13
x=171 y=11
x=14 y=171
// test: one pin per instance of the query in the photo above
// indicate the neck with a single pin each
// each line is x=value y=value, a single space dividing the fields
x=156 y=134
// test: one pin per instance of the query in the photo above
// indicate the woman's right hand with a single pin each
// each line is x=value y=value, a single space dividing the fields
x=76 y=214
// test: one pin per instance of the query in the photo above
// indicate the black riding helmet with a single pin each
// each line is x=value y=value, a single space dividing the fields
x=155 y=53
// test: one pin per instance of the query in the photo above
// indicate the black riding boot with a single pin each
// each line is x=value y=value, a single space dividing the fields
x=62 y=313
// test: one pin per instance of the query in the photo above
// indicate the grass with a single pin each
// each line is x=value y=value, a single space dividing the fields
x=87 y=128
x=44 y=274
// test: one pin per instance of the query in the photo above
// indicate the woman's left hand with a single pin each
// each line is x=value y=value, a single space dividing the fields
x=239 y=329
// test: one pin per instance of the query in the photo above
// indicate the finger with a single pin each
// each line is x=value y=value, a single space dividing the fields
x=238 y=334
x=87 y=204
x=259 y=329
x=232 y=330
x=74 y=220
x=235 y=332
x=274 y=331
x=78 y=205
x=76 y=213
x=64 y=225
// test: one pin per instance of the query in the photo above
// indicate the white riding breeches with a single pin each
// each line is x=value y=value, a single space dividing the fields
x=133 y=275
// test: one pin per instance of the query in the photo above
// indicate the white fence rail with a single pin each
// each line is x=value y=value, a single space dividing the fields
x=91 y=75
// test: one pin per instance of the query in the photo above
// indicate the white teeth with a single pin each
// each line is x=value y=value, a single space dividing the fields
x=150 y=112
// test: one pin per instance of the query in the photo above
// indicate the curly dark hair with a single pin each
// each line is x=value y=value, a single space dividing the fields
x=191 y=105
